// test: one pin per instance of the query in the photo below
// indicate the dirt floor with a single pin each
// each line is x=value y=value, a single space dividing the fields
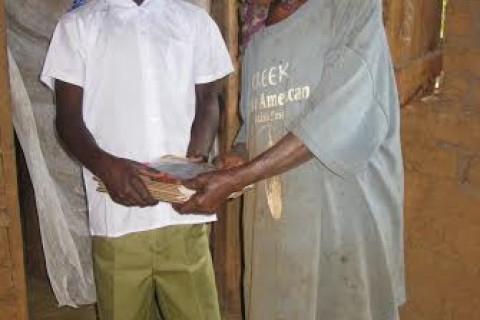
x=43 y=305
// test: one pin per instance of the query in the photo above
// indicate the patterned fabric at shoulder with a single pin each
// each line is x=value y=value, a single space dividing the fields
x=77 y=3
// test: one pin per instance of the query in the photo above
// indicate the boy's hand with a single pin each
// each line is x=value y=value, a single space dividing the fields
x=197 y=158
x=236 y=157
x=229 y=160
x=122 y=178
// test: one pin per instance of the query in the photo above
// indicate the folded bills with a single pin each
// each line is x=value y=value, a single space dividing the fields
x=164 y=180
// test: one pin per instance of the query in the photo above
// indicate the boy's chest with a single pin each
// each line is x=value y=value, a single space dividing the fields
x=130 y=42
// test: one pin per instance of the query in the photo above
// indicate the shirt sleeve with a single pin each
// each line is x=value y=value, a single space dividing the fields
x=343 y=123
x=211 y=58
x=64 y=59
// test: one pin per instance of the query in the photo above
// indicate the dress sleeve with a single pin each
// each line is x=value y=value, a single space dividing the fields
x=343 y=123
x=65 y=60
x=211 y=58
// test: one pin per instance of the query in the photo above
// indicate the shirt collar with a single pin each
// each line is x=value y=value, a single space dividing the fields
x=131 y=3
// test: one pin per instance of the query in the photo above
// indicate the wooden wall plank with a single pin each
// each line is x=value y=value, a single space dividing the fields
x=413 y=30
x=226 y=232
x=5 y=257
x=13 y=301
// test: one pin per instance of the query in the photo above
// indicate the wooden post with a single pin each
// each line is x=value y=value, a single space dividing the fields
x=13 y=300
x=226 y=233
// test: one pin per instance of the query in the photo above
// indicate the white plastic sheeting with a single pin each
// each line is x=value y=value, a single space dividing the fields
x=60 y=199
x=56 y=178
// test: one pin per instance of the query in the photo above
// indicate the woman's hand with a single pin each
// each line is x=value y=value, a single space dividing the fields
x=212 y=190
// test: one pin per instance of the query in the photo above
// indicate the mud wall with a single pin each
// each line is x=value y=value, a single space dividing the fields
x=441 y=137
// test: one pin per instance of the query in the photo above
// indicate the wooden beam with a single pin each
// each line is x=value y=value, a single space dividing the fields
x=226 y=232
x=13 y=299
x=413 y=30
x=417 y=78
x=226 y=15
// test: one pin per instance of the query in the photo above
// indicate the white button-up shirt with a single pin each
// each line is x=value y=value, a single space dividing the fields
x=138 y=66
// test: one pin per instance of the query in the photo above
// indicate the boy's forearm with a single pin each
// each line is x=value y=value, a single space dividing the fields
x=207 y=118
x=203 y=133
x=80 y=143
x=72 y=129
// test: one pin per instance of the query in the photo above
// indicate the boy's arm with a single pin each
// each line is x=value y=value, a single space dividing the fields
x=120 y=176
x=206 y=122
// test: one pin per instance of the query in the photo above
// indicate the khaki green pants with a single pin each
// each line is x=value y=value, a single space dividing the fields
x=169 y=267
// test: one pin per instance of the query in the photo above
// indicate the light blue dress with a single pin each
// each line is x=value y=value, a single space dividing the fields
x=325 y=240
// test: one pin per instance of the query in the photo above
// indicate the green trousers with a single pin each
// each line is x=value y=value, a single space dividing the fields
x=168 y=270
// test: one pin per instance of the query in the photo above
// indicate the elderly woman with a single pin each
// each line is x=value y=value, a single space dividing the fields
x=323 y=228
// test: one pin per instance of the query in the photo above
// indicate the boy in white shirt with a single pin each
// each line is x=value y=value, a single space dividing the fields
x=136 y=80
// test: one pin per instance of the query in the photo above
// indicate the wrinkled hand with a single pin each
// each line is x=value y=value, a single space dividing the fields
x=122 y=178
x=212 y=190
